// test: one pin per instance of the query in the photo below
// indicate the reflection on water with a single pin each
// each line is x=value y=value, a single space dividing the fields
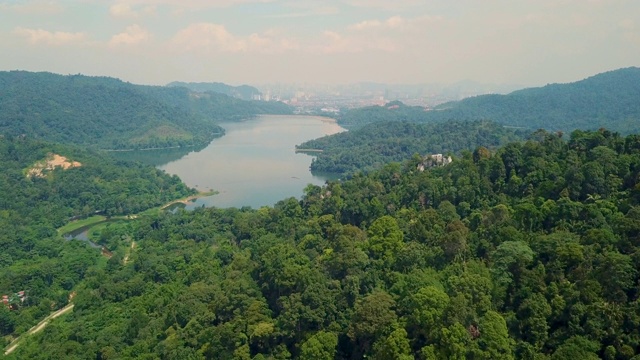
x=82 y=234
x=156 y=157
x=253 y=164
x=175 y=207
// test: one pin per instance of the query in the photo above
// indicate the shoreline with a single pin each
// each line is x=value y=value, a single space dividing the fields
x=94 y=220
x=316 y=117
x=303 y=150
x=189 y=199
x=324 y=119
x=215 y=135
x=147 y=149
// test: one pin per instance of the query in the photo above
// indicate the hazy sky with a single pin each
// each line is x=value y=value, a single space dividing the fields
x=529 y=42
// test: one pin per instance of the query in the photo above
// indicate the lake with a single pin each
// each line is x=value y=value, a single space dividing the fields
x=253 y=164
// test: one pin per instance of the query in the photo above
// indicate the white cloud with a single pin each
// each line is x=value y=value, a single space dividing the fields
x=386 y=4
x=391 y=23
x=129 y=10
x=627 y=24
x=305 y=12
x=122 y=10
x=132 y=35
x=209 y=37
x=333 y=43
x=367 y=24
x=289 y=44
x=395 y=23
x=390 y=35
x=39 y=36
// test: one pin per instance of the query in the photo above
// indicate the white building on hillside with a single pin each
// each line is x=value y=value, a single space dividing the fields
x=434 y=160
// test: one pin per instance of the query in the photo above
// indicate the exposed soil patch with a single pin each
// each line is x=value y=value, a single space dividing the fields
x=53 y=161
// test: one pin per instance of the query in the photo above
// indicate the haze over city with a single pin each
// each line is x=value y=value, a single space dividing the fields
x=528 y=42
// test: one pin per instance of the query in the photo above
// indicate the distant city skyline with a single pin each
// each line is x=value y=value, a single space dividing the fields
x=526 y=42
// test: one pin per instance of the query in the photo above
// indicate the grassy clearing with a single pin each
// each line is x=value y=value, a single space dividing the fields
x=77 y=224
x=152 y=211
x=97 y=219
x=94 y=232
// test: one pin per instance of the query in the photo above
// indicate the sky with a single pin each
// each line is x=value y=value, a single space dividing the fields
x=529 y=42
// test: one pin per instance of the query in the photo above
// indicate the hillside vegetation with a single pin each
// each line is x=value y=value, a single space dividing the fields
x=375 y=145
x=33 y=256
x=530 y=252
x=108 y=113
x=610 y=100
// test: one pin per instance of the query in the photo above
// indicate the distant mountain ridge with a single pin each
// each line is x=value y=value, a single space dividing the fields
x=244 y=92
x=108 y=113
x=610 y=99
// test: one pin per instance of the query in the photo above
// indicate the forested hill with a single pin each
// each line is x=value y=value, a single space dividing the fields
x=34 y=257
x=98 y=184
x=610 y=100
x=108 y=113
x=528 y=252
x=244 y=92
x=375 y=145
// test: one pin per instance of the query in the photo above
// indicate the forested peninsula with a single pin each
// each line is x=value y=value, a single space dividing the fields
x=377 y=144
x=108 y=113
x=529 y=251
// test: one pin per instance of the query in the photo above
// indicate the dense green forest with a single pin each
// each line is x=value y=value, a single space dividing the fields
x=244 y=92
x=608 y=100
x=108 y=113
x=33 y=256
x=375 y=145
x=530 y=251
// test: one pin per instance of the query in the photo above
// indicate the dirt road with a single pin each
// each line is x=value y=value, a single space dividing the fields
x=41 y=325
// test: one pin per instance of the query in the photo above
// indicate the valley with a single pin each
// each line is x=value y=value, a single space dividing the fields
x=524 y=245
x=320 y=180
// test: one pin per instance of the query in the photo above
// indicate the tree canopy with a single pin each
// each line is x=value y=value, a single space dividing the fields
x=374 y=145
x=526 y=251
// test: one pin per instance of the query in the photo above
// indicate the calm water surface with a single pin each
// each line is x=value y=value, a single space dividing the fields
x=254 y=163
